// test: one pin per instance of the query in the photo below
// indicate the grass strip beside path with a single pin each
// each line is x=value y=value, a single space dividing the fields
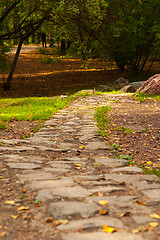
x=31 y=109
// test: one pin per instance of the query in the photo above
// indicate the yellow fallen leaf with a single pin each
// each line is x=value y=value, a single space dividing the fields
x=125 y=214
x=0 y=226
x=136 y=230
x=2 y=234
x=10 y=202
x=100 y=194
x=60 y=221
x=103 y=212
x=154 y=215
x=153 y=224
x=108 y=229
x=78 y=165
x=81 y=147
x=14 y=216
x=103 y=202
x=148 y=163
x=22 y=208
x=139 y=202
x=1 y=177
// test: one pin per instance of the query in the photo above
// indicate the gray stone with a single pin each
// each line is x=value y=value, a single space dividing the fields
x=102 y=236
x=23 y=165
x=153 y=193
x=103 y=88
x=143 y=219
x=51 y=184
x=107 y=189
x=112 y=199
x=63 y=210
x=131 y=179
x=56 y=170
x=44 y=195
x=92 y=223
x=38 y=175
x=71 y=192
x=120 y=83
x=112 y=162
x=127 y=89
x=144 y=185
x=21 y=158
x=60 y=166
x=127 y=170
x=137 y=85
x=97 y=146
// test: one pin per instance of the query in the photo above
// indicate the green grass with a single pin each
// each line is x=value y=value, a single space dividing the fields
x=143 y=97
x=51 y=60
x=125 y=129
x=2 y=126
x=102 y=121
x=154 y=171
x=22 y=109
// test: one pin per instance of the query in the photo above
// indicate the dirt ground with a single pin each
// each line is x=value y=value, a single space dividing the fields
x=34 y=78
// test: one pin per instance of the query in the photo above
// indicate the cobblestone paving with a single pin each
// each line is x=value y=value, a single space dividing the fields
x=71 y=169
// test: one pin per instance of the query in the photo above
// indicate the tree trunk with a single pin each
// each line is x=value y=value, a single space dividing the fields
x=6 y=85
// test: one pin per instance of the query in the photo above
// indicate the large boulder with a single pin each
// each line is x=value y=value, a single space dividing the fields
x=151 y=86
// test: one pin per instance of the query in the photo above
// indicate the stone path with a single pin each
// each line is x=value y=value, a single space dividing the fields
x=71 y=169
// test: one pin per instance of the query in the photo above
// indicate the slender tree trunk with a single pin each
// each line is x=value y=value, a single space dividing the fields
x=6 y=85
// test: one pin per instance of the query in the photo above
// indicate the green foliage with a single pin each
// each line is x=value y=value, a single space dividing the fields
x=125 y=129
x=22 y=109
x=115 y=146
x=51 y=60
x=102 y=121
x=154 y=171
x=2 y=126
x=126 y=157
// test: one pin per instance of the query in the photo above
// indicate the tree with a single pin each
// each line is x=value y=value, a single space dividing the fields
x=30 y=16
x=126 y=31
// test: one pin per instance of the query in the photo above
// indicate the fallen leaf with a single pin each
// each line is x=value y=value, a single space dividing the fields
x=60 y=221
x=0 y=226
x=14 y=216
x=103 y=202
x=100 y=194
x=148 y=163
x=139 y=202
x=78 y=165
x=125 y=214
x=108 y=229
x=49 y=220
x=153 y=224
x=81 y=147
x=25 y=217
x=154 y=215
x=1 y=177
x=2 y=234
x=103 y=212
x=22 y=208
x=10 y=202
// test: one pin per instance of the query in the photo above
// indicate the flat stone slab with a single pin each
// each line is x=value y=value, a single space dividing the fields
x=71 y=192
x=153 y=194
x=127 y=170
x=60 y=166
x=23 y=165
x=111 y=162
x=20 y=158
x=107 y=189
x=44 y=195
x=97 y=146
x=50 y=184
x=101 y=236
x=92 y=223
x=63 y=210
x=35 y=176
x=131 y=179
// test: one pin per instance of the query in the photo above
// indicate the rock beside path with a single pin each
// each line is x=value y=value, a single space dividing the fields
x=151 y=86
